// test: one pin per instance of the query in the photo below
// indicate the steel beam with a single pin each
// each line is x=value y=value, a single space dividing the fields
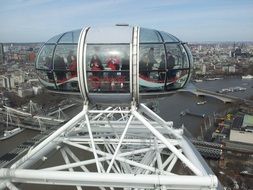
x=108 y=179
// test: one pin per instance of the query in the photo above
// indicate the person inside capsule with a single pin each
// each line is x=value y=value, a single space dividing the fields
x=73 y=67
x=161 y=68
x=49 y=66
x=171 y=74
x=96 y=67
x=60 y=67
x=147 y=63
x=113 y=63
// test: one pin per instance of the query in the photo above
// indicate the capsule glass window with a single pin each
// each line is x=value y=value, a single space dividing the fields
x=177 y=66
x=70 y=37
x=65 y=57
x=46 y=77
x=107 y=68
x=152 y=67
x=54 y=39
x=190 y=58
x=149 y=36
x=44 y=61
x=65 y=67
x=168 y=37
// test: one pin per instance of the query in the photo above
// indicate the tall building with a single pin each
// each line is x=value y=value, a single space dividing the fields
x=1 y=54
x=7 y=82
x=204 y=69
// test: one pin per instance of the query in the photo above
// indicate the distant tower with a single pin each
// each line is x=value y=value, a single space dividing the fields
x=204 y=69
x=231 y=54
x=1 y=54
x=233 y=51
x=218 y=46
x=200 y=47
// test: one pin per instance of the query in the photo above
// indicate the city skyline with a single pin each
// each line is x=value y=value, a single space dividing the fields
x=189 y=20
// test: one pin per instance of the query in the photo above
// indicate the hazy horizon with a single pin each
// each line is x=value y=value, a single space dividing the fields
x=189 y=20
x=190 y=42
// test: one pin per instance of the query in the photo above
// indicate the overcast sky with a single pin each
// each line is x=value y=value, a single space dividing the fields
x=189 y=20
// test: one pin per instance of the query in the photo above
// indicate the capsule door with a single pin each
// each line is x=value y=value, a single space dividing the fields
x=104 y=68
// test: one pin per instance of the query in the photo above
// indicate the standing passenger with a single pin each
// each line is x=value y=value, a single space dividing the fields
x=170 y=65
x=60 y=69
x=113 y=62
x=162 y=67
x=147 y=63
x=73 y=66
x=96 y=66
x=151 y=58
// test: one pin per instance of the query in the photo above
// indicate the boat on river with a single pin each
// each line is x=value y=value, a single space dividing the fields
x=247 y=77
x=10 y=133
x=238 y=88
x=198 y=80
x=201 y=102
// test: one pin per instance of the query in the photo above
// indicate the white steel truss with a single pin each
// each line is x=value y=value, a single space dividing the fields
x=115 y=147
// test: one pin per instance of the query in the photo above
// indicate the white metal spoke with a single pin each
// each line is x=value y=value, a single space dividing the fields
x=74 y=157
x=113 y=168
x=102 y=168
x=76 y=164
x=100 y=114
x=149 y=157
x=92 y=143
x=152 y=164
x=108 y=111
x=158 y=157
x=170 y=146
x=120 y=141
x=84 y=140
x=168 y=160
x=108 y=148
x=109 y=179
x=119 y=158
x=112 y=128
x=66 y=159
x=172 y=163
x=129 y=146
x=11 y=186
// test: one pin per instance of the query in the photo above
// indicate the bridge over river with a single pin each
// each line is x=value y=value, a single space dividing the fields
x=225 y=98
x=33 y=121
